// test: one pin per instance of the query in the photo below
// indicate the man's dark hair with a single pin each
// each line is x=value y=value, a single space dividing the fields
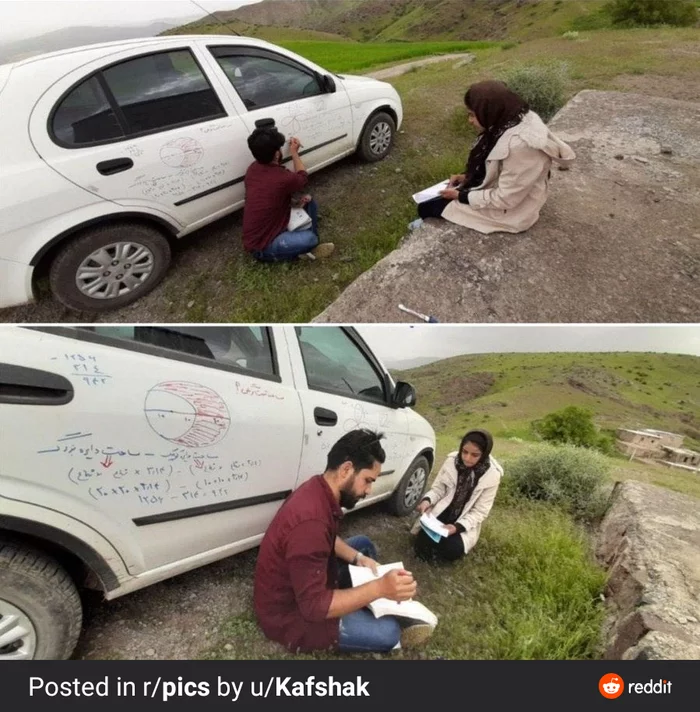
x=361 y=447
x=264 y=143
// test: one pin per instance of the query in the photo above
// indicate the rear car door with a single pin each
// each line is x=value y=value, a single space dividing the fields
x=187 y=438
x=345 y=389
x=146 y=129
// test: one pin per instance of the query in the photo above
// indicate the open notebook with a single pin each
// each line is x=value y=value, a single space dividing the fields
x=432 y=192
x=433 y=527
x=385 y=606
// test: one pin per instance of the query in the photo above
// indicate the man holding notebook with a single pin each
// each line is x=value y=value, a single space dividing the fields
x=303 y=596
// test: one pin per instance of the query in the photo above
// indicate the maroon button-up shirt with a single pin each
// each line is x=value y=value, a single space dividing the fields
x=297 y=571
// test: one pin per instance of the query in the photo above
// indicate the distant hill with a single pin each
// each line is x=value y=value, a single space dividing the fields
x=506 y=392
x=68 y=37
x=412 y=20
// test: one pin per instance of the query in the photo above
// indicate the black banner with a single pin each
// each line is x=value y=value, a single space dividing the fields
x=309 y=685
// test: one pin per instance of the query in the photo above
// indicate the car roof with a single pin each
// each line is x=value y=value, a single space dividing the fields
x=136 y=42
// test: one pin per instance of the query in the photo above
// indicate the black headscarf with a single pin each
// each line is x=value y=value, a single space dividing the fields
x=497 y=109
x=468 y=477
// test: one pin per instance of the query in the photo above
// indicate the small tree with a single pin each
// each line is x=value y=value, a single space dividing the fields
x=572 y=425
x=543 y=86
x=653 y=12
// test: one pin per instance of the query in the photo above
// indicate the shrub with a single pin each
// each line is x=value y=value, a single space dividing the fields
x=630 y=13
x=572 y=425
x=570 y=35
x=543 y=86
x=569 y=477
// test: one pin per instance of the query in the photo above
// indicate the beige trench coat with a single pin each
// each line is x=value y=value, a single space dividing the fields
x=476 y=509
x=517 y=180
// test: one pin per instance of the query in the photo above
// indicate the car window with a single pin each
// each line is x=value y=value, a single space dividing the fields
x=262 y=81
x=85 y=116
x=162 y=90
x=242 y=347
x=333 y=362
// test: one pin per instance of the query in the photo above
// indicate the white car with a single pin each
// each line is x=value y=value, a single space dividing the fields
x=131 y=454
x=111 y=152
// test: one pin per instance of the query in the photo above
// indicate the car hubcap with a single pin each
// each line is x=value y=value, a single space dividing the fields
x=380 y=138
x=114 y=270
x=414 y=488
x=17 y=634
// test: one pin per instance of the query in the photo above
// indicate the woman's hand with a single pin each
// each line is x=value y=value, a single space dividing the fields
x=449 y=194
x=458 y=179
x=424 y=506
x=451 y=528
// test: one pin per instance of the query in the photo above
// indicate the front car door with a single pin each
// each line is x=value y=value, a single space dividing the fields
x=268 y=85
x=147 y=129
x=346 y=389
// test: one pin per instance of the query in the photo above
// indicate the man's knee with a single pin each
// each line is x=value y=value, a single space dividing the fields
x=386 y=633
x=364 y=545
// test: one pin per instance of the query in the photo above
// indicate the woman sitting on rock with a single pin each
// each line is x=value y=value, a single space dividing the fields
x=506 y=178
x=461 y=498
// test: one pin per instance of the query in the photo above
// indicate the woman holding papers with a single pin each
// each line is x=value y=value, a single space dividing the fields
x=506 y=179
x=459 y=501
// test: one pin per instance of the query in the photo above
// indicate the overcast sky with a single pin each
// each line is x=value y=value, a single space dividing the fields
x=396 y=343
x=20 y=19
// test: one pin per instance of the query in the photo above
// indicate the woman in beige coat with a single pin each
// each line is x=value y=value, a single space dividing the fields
x=506 y=179
x=461 y=498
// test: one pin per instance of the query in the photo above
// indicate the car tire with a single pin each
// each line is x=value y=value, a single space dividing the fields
x=377 y=138
x=39 y=603
x=411 y=488
x=148 y=246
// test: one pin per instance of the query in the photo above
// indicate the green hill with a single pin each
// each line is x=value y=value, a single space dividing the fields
x=506 y=392
x=408 y=20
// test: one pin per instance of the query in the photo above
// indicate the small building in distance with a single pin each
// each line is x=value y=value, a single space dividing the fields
x=660 y=445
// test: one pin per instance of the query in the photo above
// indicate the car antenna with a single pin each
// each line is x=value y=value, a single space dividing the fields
x=211 y=14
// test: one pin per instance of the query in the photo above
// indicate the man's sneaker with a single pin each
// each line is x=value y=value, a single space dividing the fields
x=325 y=249
x=415 y=634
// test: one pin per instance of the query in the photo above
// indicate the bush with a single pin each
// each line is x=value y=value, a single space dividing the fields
x=631 y=13
x=569 y=477
x=572 y=425
x=543 y=86
x=570 y=35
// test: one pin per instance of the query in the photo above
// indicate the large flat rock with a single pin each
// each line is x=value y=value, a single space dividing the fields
x=650 y=543
x=617 y=241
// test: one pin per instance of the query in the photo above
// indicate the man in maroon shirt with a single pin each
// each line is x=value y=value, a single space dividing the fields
x=269 y=189
x=299 y=596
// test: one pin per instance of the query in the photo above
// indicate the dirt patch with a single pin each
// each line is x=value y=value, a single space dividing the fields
x=465 y=388
x=681 y=88
x=400 y=69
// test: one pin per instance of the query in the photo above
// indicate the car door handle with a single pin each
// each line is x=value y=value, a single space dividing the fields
x=325 y=417
x=116 y=165
x=264 y=123
x=20 y=385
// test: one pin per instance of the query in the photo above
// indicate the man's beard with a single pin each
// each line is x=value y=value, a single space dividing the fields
x=348 y=500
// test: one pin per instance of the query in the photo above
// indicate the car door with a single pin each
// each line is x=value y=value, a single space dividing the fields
x=268 y=86
x=147 y=129
x=344 y=388
x=188 y=438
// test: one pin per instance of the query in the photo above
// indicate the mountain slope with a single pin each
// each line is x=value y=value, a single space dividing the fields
x=506 y=392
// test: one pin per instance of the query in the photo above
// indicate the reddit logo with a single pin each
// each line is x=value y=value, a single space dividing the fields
x=611 y=686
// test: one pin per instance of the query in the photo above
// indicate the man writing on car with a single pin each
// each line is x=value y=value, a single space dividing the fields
x=269 y=191
x=303 y=597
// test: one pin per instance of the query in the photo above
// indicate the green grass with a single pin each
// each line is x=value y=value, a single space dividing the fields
x=529 y=590
x=368 y=223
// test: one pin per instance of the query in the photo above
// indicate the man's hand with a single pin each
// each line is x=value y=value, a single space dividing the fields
x=369 y=563
x=458 y=179
x=398 y=585
x=424 y=506
x=305 y=200
x=294 y=145
x=449 y=194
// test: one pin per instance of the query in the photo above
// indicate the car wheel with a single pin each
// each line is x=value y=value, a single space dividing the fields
x=377 y=138
x=109 y=267
x=411 y=488
x=40 y=610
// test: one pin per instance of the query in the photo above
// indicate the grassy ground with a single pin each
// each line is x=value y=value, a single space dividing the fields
x=368 y=223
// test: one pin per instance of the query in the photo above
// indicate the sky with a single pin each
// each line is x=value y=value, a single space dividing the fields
x=20 y=19
x=396 y=343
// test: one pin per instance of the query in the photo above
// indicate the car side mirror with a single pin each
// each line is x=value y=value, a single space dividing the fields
x=328 y=84
x=404 y=395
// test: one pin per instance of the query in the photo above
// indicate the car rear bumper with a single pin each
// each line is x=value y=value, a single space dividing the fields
x=15 y=283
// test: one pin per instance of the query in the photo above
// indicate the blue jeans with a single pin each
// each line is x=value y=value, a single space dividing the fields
x=360 y=631
x=289 y=245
